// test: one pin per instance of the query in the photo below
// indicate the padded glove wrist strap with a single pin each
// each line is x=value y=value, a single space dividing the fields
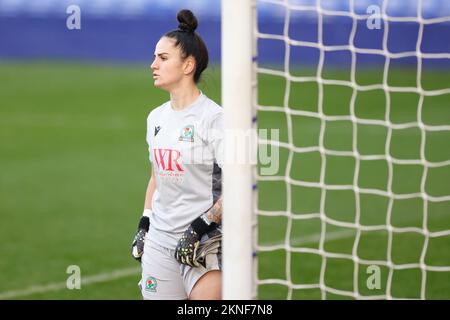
x=200 y=226
x=144 y=223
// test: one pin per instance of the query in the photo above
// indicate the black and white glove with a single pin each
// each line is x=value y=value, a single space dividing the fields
x=137 y=247
x=186 y=250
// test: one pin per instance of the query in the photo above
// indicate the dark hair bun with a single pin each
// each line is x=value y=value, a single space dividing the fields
x=188 y=22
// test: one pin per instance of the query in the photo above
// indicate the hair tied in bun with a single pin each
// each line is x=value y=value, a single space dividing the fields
x=190 y=42
x=187 y=21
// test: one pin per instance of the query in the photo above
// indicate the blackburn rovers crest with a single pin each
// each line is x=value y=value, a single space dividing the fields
x=187 y=133
x=150 y=284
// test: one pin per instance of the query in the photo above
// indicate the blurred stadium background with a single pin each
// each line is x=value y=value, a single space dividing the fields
x=73 y=108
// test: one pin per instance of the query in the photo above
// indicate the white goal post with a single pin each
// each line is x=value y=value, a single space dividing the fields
x=237 y=47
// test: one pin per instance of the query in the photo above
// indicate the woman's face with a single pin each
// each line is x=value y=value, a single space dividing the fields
x=168 y=67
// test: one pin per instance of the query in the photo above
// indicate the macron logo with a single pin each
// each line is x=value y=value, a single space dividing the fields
x=157 y=130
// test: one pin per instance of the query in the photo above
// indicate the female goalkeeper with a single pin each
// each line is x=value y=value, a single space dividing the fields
x=183 y=209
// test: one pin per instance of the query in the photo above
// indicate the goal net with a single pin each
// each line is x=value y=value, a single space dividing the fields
x=352 y=106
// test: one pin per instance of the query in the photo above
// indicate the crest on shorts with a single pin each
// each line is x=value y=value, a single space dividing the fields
x=151 y=284
x=187 y=133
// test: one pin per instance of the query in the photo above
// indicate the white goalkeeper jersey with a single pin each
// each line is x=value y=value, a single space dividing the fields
x=186 y=150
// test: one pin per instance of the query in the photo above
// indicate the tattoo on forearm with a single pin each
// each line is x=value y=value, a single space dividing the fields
x=215 y=213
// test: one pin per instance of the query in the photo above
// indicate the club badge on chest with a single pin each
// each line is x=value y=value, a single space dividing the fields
x=187 y=133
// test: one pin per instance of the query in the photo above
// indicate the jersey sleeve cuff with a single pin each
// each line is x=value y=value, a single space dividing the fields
x=147 y=212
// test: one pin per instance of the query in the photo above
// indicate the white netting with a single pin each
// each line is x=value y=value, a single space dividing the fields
x=355 y=226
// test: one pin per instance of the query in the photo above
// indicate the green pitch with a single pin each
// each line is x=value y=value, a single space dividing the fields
x=74 y=171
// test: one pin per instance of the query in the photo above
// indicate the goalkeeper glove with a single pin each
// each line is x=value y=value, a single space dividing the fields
x=137 y=247
x=186 y=250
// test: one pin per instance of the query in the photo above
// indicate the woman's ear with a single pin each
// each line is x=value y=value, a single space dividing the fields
x=189 y=65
